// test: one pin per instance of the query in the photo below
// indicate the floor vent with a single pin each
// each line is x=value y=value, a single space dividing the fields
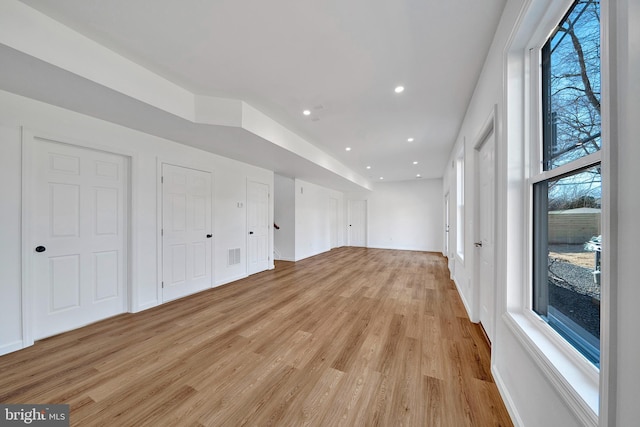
x=234 y=256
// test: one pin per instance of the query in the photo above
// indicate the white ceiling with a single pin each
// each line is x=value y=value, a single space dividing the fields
x=341 y=59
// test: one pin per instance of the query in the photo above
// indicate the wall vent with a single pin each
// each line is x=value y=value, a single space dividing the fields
x=233 y=257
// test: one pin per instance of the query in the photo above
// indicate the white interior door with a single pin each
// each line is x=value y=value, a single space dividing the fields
x=358 y=223
x=78 y=236
x=333 y=222
x=485 y=243
x=446 y=225
x=258 y=227
x=186 y=231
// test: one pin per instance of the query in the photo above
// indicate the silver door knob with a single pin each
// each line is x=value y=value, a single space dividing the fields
x=478 y=244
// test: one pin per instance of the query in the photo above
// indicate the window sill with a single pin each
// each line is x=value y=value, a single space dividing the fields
x=576 y=384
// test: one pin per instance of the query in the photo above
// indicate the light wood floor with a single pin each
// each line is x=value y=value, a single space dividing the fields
x=353 y=337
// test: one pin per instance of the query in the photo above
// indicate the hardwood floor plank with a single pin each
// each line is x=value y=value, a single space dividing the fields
x=352 y=337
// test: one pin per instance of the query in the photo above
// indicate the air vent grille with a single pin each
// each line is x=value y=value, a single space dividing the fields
x=234 y=256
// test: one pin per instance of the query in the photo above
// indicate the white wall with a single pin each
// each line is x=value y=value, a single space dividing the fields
x=406 y=215
x=533 y=398
x=284 y=215
x=146 y=152
x=624 y=388
x=313 y=218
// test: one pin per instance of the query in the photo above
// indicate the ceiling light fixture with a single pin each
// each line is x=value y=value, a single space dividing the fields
x=399 y=89
x=415 y=163
x=306 y=112
x=418 y=176
x=381 y=177
x=410 y=139
x=348 y=148
x=368 y=167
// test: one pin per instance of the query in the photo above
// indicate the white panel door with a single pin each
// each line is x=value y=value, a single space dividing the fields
x=79 y=238
x=358 y=223
x=333 y=222
x=186 y=231
x=257 y=227
x=485 y=245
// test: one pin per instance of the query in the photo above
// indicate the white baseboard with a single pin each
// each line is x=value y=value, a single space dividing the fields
x=230 y=279
x=147 y=305
x=462 y=297
x=506 y=397
x=11 y=347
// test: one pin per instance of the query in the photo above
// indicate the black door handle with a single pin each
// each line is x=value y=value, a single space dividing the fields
x=251 y=232
x=209 y=236
x=40 y=249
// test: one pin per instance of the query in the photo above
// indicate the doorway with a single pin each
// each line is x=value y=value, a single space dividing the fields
x=77 y=202
x=257 y=227
x=186 y=231
x=357 y=223
x=485 y=232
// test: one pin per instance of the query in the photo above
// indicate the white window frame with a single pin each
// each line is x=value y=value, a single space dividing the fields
x=575 y=379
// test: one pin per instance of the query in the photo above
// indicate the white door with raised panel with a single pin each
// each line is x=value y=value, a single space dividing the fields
x=485 y=243
x=357 y=223
x=78 y=238
x=257 y=227
x=186 y=231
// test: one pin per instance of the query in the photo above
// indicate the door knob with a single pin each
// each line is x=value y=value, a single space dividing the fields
x=251 y=232
x=209 y=236
x=478 y=244
x=40 y=249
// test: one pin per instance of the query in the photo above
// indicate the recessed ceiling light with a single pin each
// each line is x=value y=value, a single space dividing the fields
x=415 y=163
x=381 y=177
x=368 y=167
x=410 y=139
x=399 y=89
x=418 y=176
x=348 y=148
x=306 y=112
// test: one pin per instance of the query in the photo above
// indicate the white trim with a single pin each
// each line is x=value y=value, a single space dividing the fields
x=577 y=389
x=486 y=131
x=576 y=381
x=194 y=165
x=11 y=347
x=27 y=219
x=609 y=282
x=506 y=397
x=467 y=307
x=230 y=280
x=28 y=136
x=574 y=166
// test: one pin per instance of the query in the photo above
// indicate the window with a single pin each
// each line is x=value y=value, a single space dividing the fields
x=567 y=183
x=460 y=204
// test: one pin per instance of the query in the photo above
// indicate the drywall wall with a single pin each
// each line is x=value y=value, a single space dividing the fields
x=406 y=215
x=284 y=215
x=313 y=235
x=146 y=153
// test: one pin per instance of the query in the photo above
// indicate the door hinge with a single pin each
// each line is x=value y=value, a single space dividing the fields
x=162 y=285
x=162 y=180
x=162 y=231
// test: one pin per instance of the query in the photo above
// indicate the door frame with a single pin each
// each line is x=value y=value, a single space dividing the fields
x=270 y=255
x=28 y=186
x=365 y=225
x=488 y=128
x=447 y=208
x=196 y=165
